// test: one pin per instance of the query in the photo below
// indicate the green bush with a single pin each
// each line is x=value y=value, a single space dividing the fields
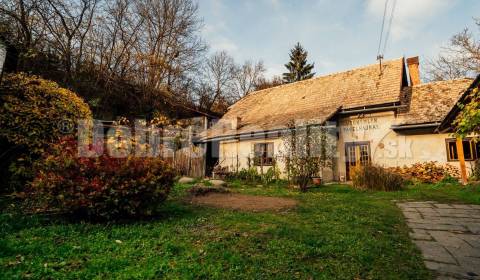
x=33 y=114
x=476 y=170
x=372 y=177
x=98 y=187
x=250 y=175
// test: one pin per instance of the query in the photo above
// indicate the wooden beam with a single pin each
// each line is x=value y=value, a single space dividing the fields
x=461 y=159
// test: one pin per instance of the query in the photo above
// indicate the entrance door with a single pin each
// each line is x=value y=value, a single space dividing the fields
x=356 y=154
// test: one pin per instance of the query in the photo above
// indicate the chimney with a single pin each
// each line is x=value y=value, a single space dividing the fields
x=236 y=122
x=412 y=64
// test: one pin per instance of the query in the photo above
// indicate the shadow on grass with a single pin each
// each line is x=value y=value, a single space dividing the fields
x=15 y=221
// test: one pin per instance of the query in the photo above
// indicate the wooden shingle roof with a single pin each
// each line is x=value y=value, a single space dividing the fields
x=317 y=98
x=430 y=102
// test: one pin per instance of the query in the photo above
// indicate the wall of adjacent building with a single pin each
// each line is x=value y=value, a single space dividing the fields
x=387 y=147
x=235 y=155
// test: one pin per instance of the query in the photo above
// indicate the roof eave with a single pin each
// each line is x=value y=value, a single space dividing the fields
x=445 y=125
x=254 y=134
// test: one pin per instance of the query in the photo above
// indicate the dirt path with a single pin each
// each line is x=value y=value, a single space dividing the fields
x=244 y=202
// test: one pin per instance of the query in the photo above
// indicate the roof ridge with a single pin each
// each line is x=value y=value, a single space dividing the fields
x=324 y=76
x=309 y=80
x=443 y=81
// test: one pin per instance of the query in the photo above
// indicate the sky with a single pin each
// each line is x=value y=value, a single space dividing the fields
x=338 y=35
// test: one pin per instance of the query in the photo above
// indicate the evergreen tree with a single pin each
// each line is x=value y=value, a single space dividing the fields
x=298 y=67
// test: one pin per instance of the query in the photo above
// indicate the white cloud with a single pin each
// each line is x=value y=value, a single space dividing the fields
x=217 y=7
x=410 y=15
x=275 y=3
x=216 y=41
x=274 y=70
x=325 y=63
x=223 y=44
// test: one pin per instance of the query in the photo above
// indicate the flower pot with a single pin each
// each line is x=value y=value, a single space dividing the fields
x=317 y=181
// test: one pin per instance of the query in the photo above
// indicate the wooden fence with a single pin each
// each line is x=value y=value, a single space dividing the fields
x=188 y=161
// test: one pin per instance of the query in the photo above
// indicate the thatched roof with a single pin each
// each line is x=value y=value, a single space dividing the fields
x=430 y=102
x=314 y=99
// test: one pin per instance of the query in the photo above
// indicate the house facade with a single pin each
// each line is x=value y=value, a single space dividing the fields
x=379 y=114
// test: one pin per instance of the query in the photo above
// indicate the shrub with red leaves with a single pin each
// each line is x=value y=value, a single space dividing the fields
x=426 y=172
x=99 y=187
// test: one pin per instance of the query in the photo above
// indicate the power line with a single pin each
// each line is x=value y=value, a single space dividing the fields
x=381 y=30
x=392 y=13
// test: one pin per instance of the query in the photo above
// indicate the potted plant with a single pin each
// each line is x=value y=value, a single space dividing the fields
x=317 y=180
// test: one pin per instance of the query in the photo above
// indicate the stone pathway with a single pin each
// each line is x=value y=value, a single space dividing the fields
x=448 y=236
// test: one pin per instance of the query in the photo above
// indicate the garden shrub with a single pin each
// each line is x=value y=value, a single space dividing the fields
x=34 y=113
x=250 y=175
x=99 y=187
x=221 y=172
x=269 y=176
x=476 y=170
x=427 y=172
x=447 y=179
x=372 y=177
x=272 y=174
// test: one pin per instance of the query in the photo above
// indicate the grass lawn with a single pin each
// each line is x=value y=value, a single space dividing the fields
x=335 y=232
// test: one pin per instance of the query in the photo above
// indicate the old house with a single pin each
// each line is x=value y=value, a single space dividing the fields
x=381 y=113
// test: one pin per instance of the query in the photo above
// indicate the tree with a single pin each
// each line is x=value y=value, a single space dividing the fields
x=298 y=68
x=468 y=121
x=461 y=58
x=264 y=83
x=217 y=85
x=171 y=45
x=247 y=76
x=123 y=56
x=307 y=150
x=20 y=15
x=67 y=23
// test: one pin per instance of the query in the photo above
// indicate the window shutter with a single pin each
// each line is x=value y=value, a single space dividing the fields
x=257 y=149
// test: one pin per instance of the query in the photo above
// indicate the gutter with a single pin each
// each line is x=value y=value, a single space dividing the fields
x=413 y=126
x=255 y=135
x=371 y=109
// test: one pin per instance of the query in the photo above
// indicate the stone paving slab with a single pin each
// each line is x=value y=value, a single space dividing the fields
x=448 y=235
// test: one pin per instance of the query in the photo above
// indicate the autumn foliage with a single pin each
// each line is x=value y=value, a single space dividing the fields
x=98 y=187
x=426 y=172
x=34 y=109
x=468 y=120
x=373 y=177
x=34 y=113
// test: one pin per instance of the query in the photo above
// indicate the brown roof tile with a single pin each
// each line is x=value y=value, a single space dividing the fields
x=432 y=101
x=317 y=98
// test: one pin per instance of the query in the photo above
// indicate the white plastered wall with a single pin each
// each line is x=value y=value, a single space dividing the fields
x=387 y=147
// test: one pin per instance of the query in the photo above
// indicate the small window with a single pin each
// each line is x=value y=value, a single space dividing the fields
x=469 y=149
x=263 y=154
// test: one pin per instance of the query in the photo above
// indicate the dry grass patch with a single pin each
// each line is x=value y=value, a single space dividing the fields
x=244 y=202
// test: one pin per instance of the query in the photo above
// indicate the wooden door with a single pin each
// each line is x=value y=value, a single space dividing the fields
x=356 y=154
